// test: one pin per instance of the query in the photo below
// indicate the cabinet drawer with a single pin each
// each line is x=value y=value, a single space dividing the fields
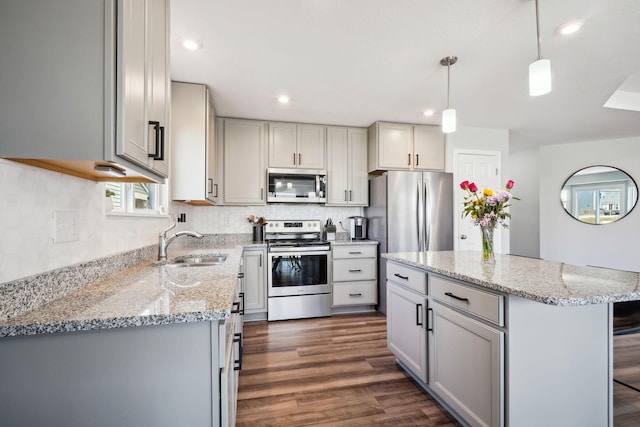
x=407 y=276
x=354 y=269
x=356 y=251
x=355 y=293
x=483 y=304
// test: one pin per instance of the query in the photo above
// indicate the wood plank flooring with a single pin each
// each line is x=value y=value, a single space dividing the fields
x=337 y=371
x=626 y=368
x=334 y=371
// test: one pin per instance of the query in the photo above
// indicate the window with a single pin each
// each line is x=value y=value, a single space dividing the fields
x=136 y=197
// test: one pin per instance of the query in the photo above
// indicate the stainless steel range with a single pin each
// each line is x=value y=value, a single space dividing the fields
x=299 y=278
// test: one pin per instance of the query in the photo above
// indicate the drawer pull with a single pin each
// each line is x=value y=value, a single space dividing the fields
x=449 y=294
x=355 y=271
x=355 y=252
x=355 y=295
x=402 y=277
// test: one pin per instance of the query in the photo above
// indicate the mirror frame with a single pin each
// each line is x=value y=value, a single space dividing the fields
x=563 y=202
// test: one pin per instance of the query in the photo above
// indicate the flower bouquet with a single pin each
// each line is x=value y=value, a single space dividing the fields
x=487 y=209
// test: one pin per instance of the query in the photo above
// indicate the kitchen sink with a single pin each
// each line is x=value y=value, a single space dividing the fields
x=198 y=260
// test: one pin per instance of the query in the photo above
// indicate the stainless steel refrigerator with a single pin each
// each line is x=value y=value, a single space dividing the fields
x=409 y=212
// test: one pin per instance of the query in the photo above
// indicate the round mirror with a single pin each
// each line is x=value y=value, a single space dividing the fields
x=599 y=195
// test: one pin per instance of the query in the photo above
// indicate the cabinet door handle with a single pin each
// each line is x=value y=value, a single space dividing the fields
x=161 y=144
x=239 y=305
x=401 y=277
x=355 y=295
x=355 y=271
x=260 y=262
x=210 y=180
x=261 y=193
x=409 y=159
x=429 y=310
x=156 y=128
x=294 y=159
x=345 y=195
x=350 y=196
x=449 y=294
x=418 y=315
x=354 y=252
x=237 y=338
x=216 y=187
x=417 y=159
x=299 y=159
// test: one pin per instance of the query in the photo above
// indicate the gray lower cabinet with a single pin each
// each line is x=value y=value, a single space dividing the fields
x=354 y=275
x=406 y=328
x=255 y=280
x=466 y=365
x=497 y=359
x=183 y=374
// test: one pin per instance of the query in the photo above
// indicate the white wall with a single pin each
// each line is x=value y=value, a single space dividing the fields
x=525 y=213
x=28 y=198
x=562 y=238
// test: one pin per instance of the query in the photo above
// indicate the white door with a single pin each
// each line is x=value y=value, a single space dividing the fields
x=482 y=169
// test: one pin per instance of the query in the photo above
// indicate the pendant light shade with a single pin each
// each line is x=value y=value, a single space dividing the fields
x=449 y=120
x=448 y=115
x=539 y=70
x=540 y=77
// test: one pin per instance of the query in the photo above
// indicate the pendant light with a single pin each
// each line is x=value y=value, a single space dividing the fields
x=539 y=70
x=448 y=115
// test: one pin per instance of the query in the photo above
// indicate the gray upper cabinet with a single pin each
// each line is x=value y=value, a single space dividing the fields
x=399 y=146
x=294 y=145
x=244 y=145
x=193 y=146
x=89 y=87
x=347 y=167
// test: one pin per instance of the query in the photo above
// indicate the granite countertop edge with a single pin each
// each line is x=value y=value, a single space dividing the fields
x=545 y=298
x=65 y=313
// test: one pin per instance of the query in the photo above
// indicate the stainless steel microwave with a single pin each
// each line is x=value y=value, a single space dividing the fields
x=296 y=186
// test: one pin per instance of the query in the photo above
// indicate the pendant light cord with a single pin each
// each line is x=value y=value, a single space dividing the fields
x=448 y=83
x=538 y=30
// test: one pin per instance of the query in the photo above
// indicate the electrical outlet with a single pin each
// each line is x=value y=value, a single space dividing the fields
x=65 y=226
x=182 y=217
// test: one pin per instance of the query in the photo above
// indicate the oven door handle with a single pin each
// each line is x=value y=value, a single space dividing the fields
x=302 y=250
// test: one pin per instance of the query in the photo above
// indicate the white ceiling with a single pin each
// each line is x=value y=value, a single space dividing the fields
x=353 y=62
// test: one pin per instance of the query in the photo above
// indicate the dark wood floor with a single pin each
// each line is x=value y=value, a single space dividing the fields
x=338 y=371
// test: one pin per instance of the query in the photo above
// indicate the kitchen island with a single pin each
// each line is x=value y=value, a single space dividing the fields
x=522 y=342
x=148 y=345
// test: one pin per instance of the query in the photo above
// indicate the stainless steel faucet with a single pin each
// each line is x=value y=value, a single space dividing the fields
x=165 y=241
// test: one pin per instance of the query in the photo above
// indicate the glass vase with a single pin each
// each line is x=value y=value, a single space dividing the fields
x=487 y=244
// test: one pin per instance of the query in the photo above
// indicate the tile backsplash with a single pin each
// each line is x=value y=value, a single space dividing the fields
x=31 y=198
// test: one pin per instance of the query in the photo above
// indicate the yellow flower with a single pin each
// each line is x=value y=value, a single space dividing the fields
x=487 y=192
x=474 y=216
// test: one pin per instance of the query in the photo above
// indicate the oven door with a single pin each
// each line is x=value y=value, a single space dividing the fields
x=299 y=273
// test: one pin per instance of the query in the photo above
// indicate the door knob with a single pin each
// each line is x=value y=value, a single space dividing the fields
x=463 y=237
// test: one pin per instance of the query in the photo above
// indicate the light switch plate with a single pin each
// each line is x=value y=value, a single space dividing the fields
x=65 y=226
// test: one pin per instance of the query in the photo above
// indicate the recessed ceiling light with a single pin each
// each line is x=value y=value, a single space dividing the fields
x=283 y=99
x=429 y=113
x=191 y=44
x=569 y=28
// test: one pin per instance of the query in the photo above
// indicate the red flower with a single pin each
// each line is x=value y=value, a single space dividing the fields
x=509 y=185
x=472 y=187
x=464 y=185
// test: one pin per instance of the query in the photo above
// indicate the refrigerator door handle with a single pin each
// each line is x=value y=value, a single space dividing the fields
x=419 y=218
x=427 y=223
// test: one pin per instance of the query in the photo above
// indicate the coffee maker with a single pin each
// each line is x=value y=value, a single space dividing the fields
x=357 y=227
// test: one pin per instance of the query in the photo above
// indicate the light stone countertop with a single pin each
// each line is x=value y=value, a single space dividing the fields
x=353 y=242
x=144 y=294
x=547 y=282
